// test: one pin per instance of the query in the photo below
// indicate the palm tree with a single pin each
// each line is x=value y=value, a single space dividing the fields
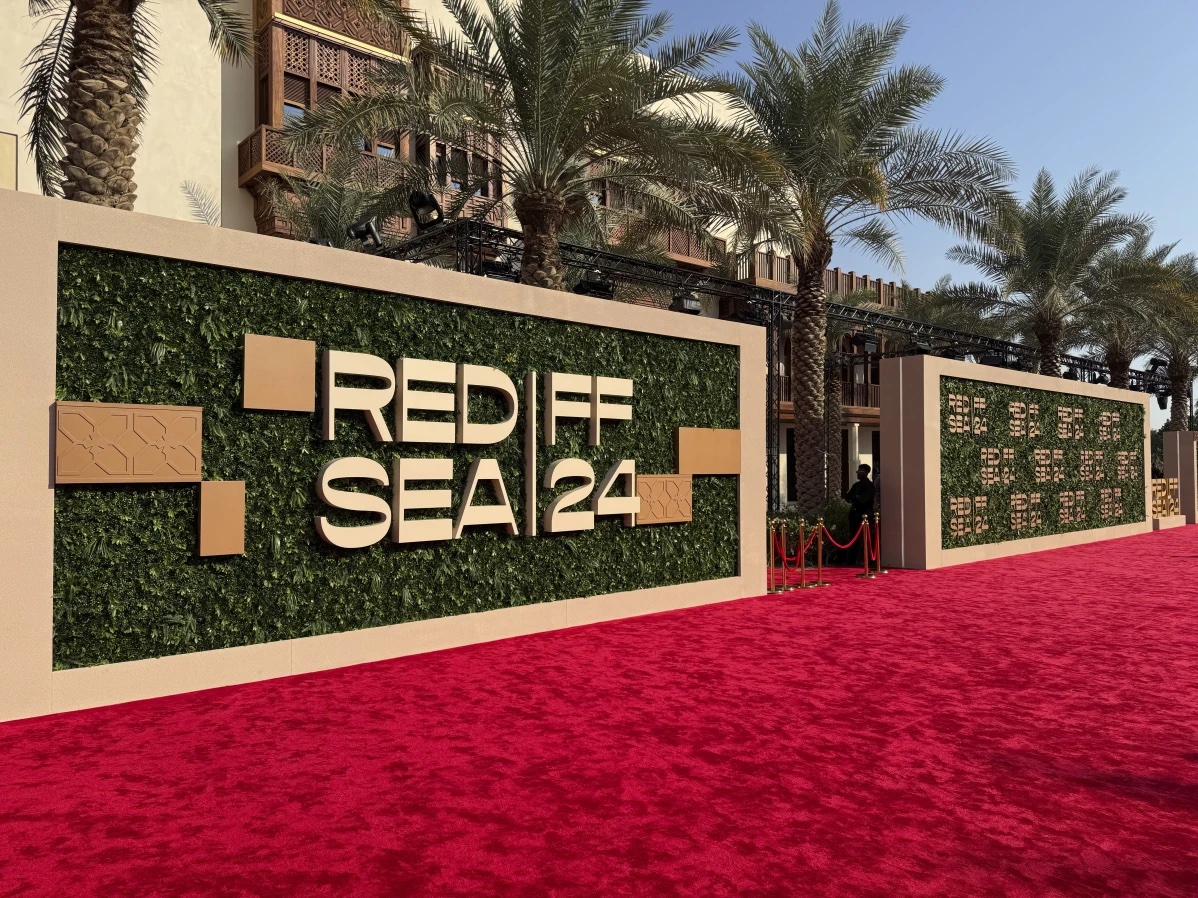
x=1037 y=268
x=940 y=306
x=841 y=118
x=1176 y=339
x=88 y=79
x=578 y=97
x=1129 y=289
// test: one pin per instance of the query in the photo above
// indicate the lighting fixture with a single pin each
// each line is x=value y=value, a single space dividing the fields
x=994 y=359
x=321 y=241
x=596 y=283
x=501 y=268
x=426 y=211
x=1162 y=400
x=1070 y=373
x=367 y=232
x=1102 y=380
x=688 y=302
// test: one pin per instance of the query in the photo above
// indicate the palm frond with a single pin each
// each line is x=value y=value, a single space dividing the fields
x=230 y=31
x=43 y=95
x=205 y=207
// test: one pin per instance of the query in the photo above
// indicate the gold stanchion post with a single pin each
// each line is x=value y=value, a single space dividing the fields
x=781 y=586
x=769 y=577
x=866 y=573
x=801 y=551
x=819 y=554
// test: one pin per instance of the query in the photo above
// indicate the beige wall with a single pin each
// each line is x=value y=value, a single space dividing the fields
x=910 y=464
x=237 y=86
x=185 y=137
x=8 y=161
x=31 y=229
x=18 y=34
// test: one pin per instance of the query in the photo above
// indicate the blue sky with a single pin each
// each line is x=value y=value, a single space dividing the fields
x=1060 y=84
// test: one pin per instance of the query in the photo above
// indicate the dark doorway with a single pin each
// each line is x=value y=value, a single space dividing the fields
x=845 y=483
x=792 y=493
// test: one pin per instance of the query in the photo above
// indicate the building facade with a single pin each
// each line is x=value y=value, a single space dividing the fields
x=215 y=129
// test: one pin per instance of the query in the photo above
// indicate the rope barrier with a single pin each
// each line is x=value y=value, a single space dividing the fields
x=852 y=542
x=782 y=565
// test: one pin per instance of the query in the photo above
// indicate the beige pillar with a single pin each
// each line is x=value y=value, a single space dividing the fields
x=29 y=260
x=1181 y=461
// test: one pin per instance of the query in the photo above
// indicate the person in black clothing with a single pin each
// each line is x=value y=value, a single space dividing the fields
x=861 y=504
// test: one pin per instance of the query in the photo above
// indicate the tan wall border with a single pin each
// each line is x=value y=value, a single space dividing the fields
x=31 y=229
x=910 y=468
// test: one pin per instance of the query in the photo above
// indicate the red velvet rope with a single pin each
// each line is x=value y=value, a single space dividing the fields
x=873 y=543
x=779 y=551
x=851 y=542
x=814 y=531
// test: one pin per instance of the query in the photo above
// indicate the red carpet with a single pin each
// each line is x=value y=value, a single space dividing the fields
x=1016 y=728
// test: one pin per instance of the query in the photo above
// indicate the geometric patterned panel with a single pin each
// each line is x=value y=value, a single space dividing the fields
x=342 y=18
x=665 y=498
x=328 y=63
x=359 y=71
x=100 y=442
x=295 y=53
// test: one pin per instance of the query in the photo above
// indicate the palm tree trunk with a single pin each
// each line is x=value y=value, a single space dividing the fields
x=833 y=486
x=102 y=115
x=1118 y=363
x=808 y=351
x=1050 y=352
x=542 y=214
x=1181 y=378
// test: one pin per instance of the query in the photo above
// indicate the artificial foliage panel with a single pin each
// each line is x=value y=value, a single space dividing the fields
x=128 y=583
x=1018 y=463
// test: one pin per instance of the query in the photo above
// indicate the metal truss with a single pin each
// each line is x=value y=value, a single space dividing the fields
x=481 y=248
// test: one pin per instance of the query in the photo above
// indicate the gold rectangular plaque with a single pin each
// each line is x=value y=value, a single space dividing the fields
x=704 y=450
x=279 y=374
x=222 y=517
x=665 y=498
x=100 y=442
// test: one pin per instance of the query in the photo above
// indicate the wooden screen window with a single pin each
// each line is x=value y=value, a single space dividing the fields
x=313 y=71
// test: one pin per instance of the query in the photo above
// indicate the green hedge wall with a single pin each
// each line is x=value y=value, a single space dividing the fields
x=1010 y=482
x=127 y=581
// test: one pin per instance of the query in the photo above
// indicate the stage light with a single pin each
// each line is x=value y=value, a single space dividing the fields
x=953 y=352
x=994 y=359
x=1102 y=380
x=366 y=231
x=868 y=343
x=918 y=347
x=426 y=211
x=321 y=241
x=501 y=268
x=1162 y=400
x=596 y=283
x=688 y=302
x=1022 y=363
x=1070 y=373
x=1154 y=365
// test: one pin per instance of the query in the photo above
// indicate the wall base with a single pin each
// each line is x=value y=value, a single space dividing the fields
x=110 y=684
x=1167 y=523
